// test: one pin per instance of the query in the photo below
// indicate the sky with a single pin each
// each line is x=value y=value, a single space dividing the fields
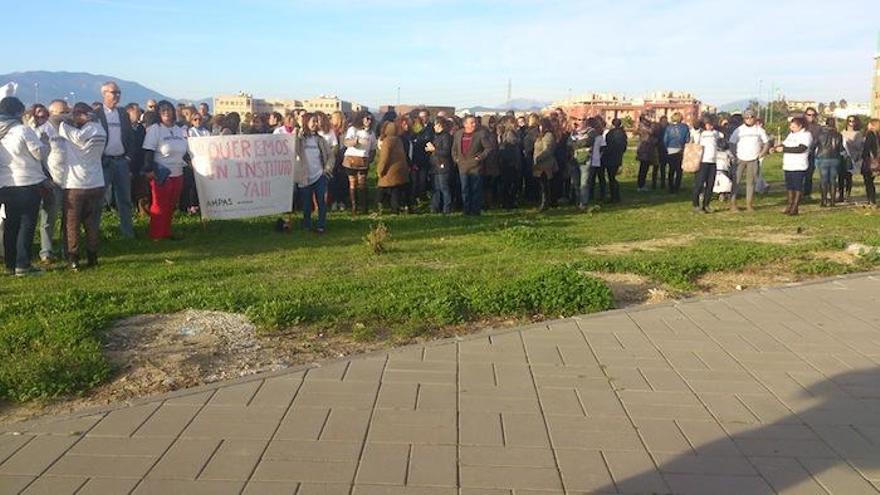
x=456 y=52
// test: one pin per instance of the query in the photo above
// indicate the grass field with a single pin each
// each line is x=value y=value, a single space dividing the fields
x=437 y=271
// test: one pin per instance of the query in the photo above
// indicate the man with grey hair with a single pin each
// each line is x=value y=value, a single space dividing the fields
x=749 y=143
x=56 y=164
x=118 y=155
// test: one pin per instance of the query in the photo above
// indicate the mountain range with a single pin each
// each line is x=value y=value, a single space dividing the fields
x=739 y=105
x=45 y=86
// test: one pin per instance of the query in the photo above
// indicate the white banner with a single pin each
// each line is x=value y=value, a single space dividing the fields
x=244 y=176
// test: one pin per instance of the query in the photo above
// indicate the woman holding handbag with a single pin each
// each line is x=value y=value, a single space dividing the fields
x=709 y=139
x=871 y=159
x=360 y=143
x=165 y=156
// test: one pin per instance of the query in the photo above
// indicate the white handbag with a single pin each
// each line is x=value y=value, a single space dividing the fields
x=723 y=184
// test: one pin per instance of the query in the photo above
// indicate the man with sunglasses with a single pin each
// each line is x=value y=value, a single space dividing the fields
x=118 y=155
x=813 y=127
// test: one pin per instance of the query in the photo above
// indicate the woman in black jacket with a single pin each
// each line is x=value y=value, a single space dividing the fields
x=871 y=154
x=442 y=166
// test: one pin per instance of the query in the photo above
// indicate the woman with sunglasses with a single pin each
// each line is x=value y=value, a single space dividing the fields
x=853 y=143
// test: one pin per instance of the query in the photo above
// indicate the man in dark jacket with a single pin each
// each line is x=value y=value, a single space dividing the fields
x=421 y=134
x=612 y=159
x=118 y=155
x=470 y=148
x=813 y=128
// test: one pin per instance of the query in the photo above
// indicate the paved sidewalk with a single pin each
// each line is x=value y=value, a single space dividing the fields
x=763 y=391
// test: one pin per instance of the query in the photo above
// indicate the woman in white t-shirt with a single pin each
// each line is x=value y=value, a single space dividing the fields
x=165 y=156
x=326 y=131
x=360 y=145
x=704 y=181
x=21 y=179
x=795 y=161
x=314 y=153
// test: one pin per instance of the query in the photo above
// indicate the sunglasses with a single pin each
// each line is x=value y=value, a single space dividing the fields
x=811 y=115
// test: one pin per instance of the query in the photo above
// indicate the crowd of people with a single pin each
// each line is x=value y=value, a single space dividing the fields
x=67 y=165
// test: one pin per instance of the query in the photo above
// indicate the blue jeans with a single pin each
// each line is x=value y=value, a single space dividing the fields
x=471 y=193
x=51 y=209
x=318 y=190
x=442 y=197
x=827 y=170
x=22 y=207
x=117 y=180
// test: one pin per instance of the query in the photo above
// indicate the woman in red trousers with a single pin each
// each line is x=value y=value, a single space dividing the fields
x=165 y=155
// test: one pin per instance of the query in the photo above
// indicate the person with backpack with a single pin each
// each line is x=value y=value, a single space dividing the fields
x=828 y=150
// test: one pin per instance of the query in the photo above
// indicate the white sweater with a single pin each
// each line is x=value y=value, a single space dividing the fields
x=85 y=147
x=21 y=156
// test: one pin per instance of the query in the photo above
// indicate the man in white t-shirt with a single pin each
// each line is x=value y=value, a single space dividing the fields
x=56 y=165
x=118 y=154
x=749 y=143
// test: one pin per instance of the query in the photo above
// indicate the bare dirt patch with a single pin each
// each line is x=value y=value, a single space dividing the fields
x=154 y=354
x=771 y=235
x=750 y=278
x=630 y=289
x=646 y=245
x=844 y=257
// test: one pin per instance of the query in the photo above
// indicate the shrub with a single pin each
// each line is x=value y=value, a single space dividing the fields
x=821 y=267
x=532 y=237
x=278 y=313
x=557 y=290
x=377 y=238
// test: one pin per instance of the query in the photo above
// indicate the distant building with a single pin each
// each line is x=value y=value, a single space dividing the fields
x=801 y=105
x=244 y=103
x=611 y=106
x=852 y=109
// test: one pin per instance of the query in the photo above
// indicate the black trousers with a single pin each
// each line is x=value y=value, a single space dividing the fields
x=704 y=182
x=675 y=171
x=396 y=196
x=870 y=189
x=808 y=181
x=643 y=174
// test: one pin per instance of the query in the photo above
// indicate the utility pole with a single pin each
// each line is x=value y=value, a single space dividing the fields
x=509 y=90
x=770 y=105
